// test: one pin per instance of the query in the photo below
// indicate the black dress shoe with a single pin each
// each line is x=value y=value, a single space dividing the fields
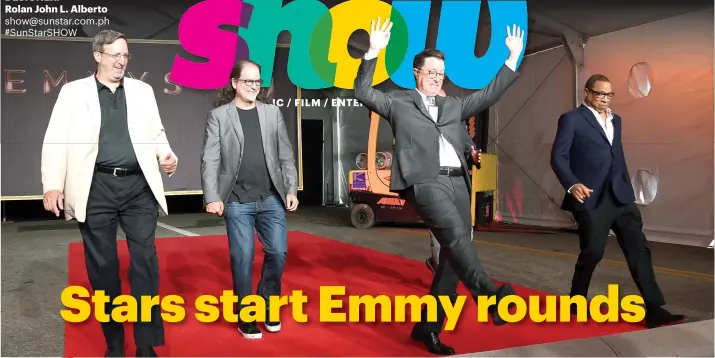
x=433 y=344
x=659 y=316
x=431 y=266
x=146 y=352
x=504 y=291
x=114 y=352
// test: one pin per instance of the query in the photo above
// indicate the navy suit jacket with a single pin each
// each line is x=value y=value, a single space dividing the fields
x=582 y=154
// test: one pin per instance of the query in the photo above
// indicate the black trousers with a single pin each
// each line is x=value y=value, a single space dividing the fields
x=127 y=202
x=627 y=223
x=444 y=206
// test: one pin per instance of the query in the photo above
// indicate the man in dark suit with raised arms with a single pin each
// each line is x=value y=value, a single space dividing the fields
x=588 y=160
x=429 y=170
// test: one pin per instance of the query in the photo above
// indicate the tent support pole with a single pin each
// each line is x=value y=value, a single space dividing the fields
x=574 y=41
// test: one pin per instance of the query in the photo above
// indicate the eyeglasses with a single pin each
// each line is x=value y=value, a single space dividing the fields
x=250 y=82
x=434 y=74
x=116 y=56
x=601 y=95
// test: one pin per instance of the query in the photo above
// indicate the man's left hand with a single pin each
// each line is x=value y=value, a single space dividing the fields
x=168 y=163
x=292 y=202
x=514 y=41
x=476 y=155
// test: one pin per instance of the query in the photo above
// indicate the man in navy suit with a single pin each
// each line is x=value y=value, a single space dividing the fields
x=588 y=160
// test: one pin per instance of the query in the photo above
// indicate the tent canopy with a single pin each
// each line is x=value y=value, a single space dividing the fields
x=549 y=21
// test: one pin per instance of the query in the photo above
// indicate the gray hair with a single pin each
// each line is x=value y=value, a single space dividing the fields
x=106 y=37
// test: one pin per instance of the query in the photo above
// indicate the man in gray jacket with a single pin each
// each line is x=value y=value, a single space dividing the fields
x=248 y=173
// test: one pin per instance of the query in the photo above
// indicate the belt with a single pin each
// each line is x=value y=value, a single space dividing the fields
x=451 y=171
x=118 y=172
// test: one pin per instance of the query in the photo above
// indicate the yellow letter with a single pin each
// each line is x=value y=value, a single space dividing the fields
x=370 y=303
x=229 y=300
x=122 y=313
x=416 y=307
x=274 y=307
x=452 y=312
x=70 y=302
x=581 y=305
x=535 y=309
x=204 y=311
x=483 y=304
x=633 y=312
x=327 y=304
x=100 y=300
x=611 y=301
x=172 y=304
x=147 y=302
x=503 y=308
x=349 y=17
x=255 y=312
x=297 y=299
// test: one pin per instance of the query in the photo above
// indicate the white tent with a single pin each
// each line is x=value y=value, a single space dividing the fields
x=662 y=73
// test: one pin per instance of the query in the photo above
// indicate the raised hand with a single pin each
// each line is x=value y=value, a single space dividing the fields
x=379 y=34
x=514 y=41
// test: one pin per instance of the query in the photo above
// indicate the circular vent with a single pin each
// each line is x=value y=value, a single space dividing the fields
x=640 y=80
x=645 y=186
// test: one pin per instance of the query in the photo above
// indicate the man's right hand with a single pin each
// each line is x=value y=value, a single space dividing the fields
x=215 y=208
x=581 y=192
x=53 y=201
x=379 y=36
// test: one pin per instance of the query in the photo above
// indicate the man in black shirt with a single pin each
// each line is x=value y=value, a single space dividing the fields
x=248 y=171
x=93 y=171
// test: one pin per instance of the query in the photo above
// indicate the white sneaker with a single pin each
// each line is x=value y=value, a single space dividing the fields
x=250 y=330
x=273 y=326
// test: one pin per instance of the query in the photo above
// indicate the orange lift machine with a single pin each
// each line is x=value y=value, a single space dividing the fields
x=369 y=188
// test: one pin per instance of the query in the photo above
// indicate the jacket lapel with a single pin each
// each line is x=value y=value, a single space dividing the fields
x=261 y=109
x=92 y=101
x=593 y=121
x=133 y=102
x=616 y=129
x=232 y=114
x=439 y=101
x=420 y=104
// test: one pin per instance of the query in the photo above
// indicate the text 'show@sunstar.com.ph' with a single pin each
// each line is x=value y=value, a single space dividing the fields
x=49 y=19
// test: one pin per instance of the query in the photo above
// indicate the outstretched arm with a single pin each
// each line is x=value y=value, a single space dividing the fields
x=481 y=100
x=371 y=98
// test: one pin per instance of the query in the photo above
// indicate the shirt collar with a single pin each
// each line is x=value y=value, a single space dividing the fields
x=609 y=112
x=424 y=97
x=101 y=85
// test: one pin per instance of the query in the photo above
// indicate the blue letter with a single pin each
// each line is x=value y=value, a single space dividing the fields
x=416 y=16
x=457 y=40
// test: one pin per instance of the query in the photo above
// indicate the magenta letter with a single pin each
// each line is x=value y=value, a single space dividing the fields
x=199 y=35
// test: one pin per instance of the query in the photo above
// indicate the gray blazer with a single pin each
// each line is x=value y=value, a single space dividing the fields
x=222 y=152
x=416 y=148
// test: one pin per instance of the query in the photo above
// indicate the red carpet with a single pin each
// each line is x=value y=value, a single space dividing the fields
x=191 y=266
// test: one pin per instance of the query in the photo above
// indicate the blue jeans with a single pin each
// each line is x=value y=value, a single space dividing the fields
x=268 y=217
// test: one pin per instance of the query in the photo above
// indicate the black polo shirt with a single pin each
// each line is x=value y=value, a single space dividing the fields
x=254 y=182
x=115 y=145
